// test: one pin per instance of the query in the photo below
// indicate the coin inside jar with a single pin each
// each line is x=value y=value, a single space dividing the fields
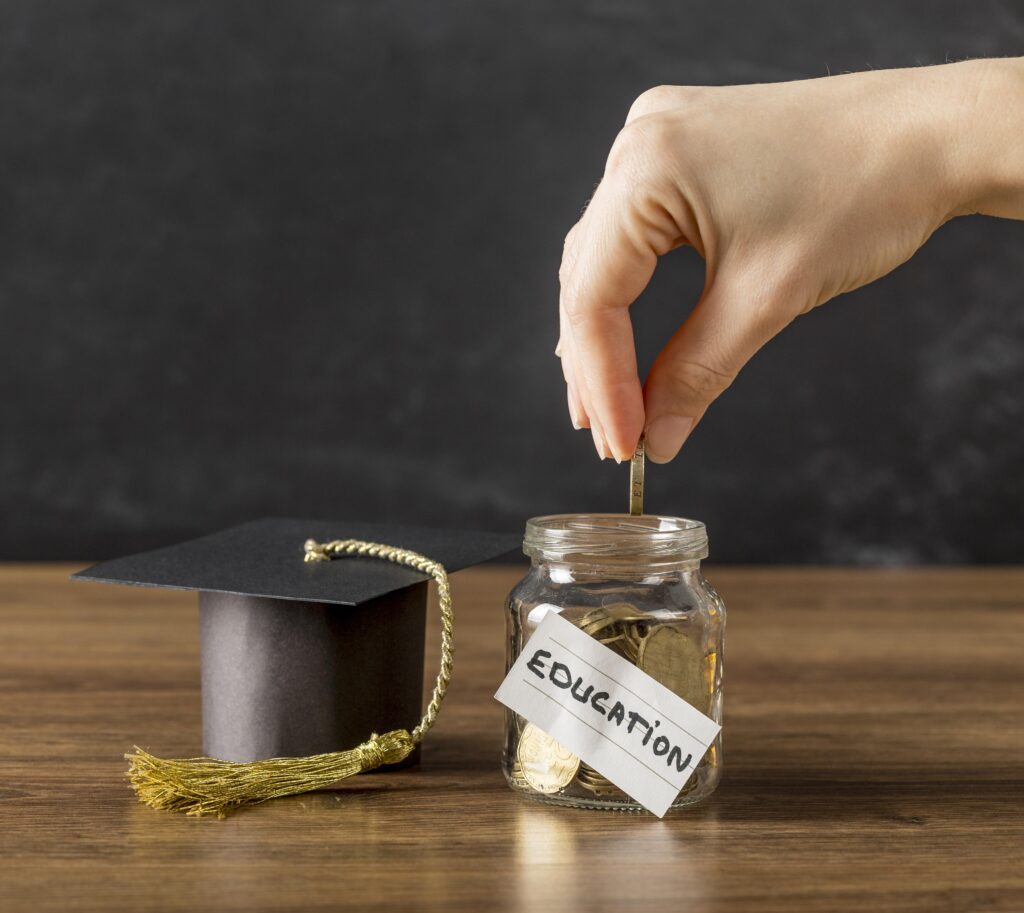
x=670 y=657
x=594 y=782
x=595 y=621
x=546 y=764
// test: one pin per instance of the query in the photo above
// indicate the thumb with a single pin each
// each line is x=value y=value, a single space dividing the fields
x=732 y=320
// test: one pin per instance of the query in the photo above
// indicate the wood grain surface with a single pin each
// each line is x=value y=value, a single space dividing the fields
x=874 y=760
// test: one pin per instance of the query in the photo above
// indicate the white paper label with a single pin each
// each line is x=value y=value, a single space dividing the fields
x=623 y=723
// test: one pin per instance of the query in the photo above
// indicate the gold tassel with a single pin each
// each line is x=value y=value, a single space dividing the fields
x=206 y=786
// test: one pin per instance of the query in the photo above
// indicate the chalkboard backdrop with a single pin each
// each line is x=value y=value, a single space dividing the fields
x=300 y=259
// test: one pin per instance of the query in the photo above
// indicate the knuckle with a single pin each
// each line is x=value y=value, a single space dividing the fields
x=568 y=250
x=698 y=382
x=641 y=144
x=580 y=305
x=569 y=244
x=625 y=149
x=645 y=145
x=654 y=99
x=570 y=237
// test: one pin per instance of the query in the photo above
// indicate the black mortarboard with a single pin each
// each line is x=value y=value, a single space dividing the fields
x=304 y=658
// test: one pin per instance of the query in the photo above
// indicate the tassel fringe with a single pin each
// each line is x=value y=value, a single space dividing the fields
x=206 y=786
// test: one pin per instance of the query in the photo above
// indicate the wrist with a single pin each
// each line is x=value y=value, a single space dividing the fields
x=986 y=137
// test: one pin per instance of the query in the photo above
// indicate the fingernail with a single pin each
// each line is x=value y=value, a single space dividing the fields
x=665 y=435
x=599 y=444
x=574 y=411
x=623 y=456
x=558 y=349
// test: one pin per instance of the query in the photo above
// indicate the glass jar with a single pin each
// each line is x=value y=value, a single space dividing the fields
x=634 y=584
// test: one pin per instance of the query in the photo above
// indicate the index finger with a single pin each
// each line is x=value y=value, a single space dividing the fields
x=611 y=265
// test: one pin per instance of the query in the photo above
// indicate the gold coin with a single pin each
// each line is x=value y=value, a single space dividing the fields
x=547 y=765
x=619 y=626
x=616 y=640
x=597 y=618
x=625 y=647
x=615 y=636
x=710 y=665
x=594 y=620
x=631 y=640
x=623 y=611
x=670 y=657
x=636 y=479
x=591 y=780
x=601 y=628
x=516 y=777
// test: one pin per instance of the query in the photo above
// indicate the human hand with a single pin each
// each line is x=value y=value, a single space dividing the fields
x=792 y=193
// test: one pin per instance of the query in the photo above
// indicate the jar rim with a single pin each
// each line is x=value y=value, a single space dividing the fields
x=649 y=539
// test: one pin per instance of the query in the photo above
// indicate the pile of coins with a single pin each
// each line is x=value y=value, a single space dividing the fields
x=662 y=650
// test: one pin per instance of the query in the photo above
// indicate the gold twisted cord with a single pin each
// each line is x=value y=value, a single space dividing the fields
x=316 y=551
x=207 y=786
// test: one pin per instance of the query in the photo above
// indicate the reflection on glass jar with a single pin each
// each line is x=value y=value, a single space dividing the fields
x=635 y=585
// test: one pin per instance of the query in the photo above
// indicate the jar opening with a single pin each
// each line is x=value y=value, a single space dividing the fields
x=616 y=540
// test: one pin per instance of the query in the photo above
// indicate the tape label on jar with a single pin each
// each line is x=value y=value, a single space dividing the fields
x=629 y=727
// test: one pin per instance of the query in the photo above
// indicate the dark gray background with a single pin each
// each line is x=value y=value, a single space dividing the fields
x=299 y=258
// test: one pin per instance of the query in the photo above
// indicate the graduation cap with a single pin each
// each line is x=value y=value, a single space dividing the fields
x=302 y=657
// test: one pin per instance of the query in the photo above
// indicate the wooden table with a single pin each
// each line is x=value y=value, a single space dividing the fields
x=874 y=751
